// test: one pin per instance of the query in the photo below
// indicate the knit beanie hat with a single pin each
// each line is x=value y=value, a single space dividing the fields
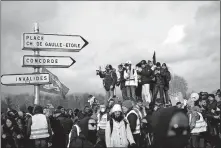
x=128 y=104
x=116 y=108
x=60 y=107
x=194 y=96
x=211 y=95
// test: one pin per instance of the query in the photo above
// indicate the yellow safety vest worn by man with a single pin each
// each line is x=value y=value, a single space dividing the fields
x=39 y=127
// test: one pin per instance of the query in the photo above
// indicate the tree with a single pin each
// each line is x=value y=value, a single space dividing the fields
x=178 y=84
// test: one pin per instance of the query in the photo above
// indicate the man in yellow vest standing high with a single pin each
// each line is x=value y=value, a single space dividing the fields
x=39 y=129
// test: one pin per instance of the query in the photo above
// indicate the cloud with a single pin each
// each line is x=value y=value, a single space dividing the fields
x=185 y=35
x=175 y=34
x=198 y=58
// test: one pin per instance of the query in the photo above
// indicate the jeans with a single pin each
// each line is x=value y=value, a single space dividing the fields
x=109 y=94
x=131 y=92
x=156 y=89
x=137 y=138
x=41 y=143
x=146 y=95
x=166 y=96
x=124 y=93
x=195 y=140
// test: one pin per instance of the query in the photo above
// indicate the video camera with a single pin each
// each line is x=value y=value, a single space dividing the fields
x=99 y=70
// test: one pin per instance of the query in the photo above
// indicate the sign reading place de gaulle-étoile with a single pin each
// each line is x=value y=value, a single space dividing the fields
x=53 y=42
x=25 y=79
x=47 y=61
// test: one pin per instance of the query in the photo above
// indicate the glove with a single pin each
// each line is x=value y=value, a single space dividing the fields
x=133 y=145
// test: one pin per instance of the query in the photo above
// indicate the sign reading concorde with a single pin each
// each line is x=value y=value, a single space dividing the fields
x=48 y=61
x=53 y=42
x=25 y=79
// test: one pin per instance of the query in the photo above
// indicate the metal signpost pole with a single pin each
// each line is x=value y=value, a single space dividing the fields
x=36 y=70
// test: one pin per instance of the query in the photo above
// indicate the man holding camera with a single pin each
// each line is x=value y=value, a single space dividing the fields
x=109 y=81
x=131 y=81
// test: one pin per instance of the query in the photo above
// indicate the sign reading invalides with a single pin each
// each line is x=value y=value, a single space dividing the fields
x=25 y=79
x=53 y=42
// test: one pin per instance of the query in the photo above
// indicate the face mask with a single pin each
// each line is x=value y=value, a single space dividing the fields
x=92 y=136
x=102 y=110
x=176 y=141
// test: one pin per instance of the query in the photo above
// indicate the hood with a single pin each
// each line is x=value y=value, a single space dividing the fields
x=161 y=120
x=83 y=124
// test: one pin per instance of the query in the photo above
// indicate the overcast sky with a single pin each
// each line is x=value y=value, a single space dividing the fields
x=185 y=35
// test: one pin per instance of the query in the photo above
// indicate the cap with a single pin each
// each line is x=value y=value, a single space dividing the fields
x=128 y=104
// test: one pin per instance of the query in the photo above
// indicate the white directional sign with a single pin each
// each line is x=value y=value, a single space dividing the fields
x=47 y=61
x=25 y=79
x=53 y=42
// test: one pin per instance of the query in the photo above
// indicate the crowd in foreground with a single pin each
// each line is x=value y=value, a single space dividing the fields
x=117 y=124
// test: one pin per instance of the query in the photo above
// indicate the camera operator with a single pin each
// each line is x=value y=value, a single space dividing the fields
x=131 y=81
x=121 y=81
x=159 y=83
x=109 y=81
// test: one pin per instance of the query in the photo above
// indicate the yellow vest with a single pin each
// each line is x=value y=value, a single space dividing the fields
x=102 y=122
x=137 y=130
x=201 y=125
x=39 y=127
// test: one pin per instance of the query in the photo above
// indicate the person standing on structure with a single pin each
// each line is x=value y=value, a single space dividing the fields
x=131 y=81
x=109 y=81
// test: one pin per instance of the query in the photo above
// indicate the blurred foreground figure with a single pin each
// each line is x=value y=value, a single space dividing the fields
x=170 y=128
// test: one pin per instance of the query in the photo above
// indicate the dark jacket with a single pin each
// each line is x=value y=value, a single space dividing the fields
x=11 y=136
x=159 y=79
x=81 y=141
x=167 y=77
x=146 y=75
x=58 y=128
x=110 y=78
x=132 y=119
x=67 y=123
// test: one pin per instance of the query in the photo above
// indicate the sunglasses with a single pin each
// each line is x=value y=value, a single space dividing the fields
x=93 y=124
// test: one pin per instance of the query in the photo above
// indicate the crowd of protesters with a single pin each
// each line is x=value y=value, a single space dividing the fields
x=142 y=81
x=139 y=119
x=117 y=124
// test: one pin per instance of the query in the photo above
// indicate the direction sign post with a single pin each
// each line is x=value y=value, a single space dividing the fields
x=37 y=70
x=53 y=42
x=48 y=61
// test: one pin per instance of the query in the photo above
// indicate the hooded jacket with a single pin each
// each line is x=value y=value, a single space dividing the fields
x=121 y=136
x=81 y=140
x=109 y=78
x=160 y=122
x=146 y=75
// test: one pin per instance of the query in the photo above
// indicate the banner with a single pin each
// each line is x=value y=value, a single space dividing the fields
x=55 y=87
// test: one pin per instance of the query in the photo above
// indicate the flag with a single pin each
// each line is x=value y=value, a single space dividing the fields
x=154 y=58
x=55 y=87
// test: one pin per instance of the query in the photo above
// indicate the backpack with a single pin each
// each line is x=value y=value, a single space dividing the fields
x=111 y=124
